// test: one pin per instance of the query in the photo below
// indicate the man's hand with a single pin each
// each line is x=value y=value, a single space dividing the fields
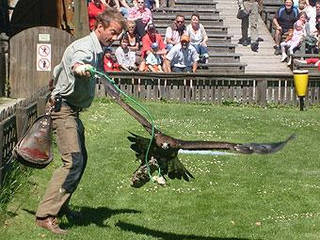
x=82 y=70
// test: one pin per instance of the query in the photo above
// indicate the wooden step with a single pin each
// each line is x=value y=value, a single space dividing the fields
x=224 y=57
x=223 y=67
x=209 y=28
x=205 y=23
x=188 y=12
x=187 y=18
x=195 y=3
x=187 y=9
x=214 y=38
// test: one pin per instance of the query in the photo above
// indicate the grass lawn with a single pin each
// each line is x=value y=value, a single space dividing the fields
x=232 y=197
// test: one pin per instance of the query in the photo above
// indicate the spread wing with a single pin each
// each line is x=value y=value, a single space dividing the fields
x=166 y=141
x=158 y=158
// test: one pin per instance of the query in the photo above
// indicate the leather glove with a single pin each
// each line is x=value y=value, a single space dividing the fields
x=83 y=70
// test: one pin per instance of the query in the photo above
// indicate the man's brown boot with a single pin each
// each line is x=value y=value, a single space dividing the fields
x=51 y=224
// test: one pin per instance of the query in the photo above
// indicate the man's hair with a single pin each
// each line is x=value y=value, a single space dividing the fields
x=110 y=15
x=179 y=15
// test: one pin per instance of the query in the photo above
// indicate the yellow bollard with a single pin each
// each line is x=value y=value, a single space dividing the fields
x=301 y=78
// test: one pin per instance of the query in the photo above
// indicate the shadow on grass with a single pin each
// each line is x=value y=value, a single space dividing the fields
x=90 y=216
x=165 y=235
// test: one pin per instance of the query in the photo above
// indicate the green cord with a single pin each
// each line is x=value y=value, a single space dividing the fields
x=93 y=71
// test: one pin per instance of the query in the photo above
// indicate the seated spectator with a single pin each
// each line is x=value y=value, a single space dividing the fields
x=293 y=41
x=109 y=64
x=301 y=6
x=133 y=37
x=95 y=7
x=309 y=61
x=311 y=12
x=198 y=37
x=125 y=57
x=153 y=60
x=182 y=57
x=141 y=16
x=175 y=31
x=150 y=37
x=283 y=21
x=156 y=5
x=311 y=2
x=317 y=8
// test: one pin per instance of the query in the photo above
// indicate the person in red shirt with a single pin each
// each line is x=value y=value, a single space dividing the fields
x=95 y=7
x=109 y=65
x=151 y=36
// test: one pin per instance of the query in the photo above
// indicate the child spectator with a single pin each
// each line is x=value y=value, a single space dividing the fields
x=315 y=61
x=95 y=7
x=295 y=39
x=125 y=57
x=109 y=64
x=153 y=60
x=151 y=37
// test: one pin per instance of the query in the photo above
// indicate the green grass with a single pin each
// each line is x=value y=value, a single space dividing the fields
x=232 y=197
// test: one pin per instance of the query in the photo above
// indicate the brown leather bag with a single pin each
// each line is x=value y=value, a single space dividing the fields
x=34 y=148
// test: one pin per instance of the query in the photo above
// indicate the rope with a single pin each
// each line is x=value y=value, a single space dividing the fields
x=93 y=71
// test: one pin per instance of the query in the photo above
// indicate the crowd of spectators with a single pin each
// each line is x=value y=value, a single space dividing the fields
x=297 y=26
x=143 y=48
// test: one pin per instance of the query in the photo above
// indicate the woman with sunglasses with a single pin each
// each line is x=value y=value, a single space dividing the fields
x=141 y=15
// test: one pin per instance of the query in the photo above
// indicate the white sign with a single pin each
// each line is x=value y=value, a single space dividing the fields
x=44 y=37
x=43 y=57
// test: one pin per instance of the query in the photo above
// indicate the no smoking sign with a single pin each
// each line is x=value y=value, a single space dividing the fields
x=44 y=57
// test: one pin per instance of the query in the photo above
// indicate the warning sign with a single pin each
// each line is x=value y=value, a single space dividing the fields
x=44 y=57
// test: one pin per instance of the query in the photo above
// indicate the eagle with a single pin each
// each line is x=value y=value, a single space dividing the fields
x=162 y=150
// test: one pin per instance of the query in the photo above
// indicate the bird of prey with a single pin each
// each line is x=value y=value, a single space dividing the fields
x=163 y=152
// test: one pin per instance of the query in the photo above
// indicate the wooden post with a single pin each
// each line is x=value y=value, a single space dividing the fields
x=3 y=75
x=1 y=154
x=41 y=105
x=21 y=120
x=81 y=19
x=262 y=85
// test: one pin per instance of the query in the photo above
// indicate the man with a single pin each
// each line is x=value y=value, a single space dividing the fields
x=74 y=90
x=175 y=31
x=252 y=7
x=182 y=57
x=152 y=36
x=283 y=21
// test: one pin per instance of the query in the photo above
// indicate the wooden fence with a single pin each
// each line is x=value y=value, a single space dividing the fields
x=13 y=122
x=216 y=88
